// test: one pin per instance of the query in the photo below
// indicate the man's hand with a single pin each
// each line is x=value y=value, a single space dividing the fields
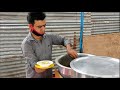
x=38 y=70
x=71 y=52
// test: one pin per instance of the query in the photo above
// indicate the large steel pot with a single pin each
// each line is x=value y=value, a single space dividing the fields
x=87 y=66
x=63 y=65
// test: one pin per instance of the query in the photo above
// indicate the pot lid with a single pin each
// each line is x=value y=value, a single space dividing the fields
x=97 y=66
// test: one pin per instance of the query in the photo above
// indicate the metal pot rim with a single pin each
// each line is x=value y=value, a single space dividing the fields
x=56 y=61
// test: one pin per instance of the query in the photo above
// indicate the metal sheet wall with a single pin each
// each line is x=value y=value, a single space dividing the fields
x=105 y=22
x=13 y=29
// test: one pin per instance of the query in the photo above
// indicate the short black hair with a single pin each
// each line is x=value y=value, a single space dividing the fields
x=32 y=16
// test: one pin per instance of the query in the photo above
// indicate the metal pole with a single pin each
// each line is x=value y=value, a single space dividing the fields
x=81 y=31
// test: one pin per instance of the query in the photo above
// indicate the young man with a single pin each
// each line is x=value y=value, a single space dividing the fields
x=38 y=45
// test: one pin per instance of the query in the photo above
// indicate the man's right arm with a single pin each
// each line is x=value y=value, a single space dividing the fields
x=29 y=54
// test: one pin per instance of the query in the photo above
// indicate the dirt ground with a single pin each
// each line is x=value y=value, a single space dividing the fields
x=103 y=44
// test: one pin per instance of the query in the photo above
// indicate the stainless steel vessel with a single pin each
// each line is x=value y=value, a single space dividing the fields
x=63 y=65
x=88 y=66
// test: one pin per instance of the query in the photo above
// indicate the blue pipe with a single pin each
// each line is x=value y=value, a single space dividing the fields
x=81 y=31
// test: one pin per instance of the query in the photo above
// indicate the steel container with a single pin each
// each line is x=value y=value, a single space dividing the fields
x=63 y=65
x=87 y=66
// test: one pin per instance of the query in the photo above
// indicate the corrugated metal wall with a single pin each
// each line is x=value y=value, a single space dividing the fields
x=13 y=29
x=105 y=22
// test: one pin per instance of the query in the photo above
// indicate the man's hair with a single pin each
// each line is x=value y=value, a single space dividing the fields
x=32 y=16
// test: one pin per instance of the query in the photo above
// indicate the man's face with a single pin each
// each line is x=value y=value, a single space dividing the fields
x=39 y=26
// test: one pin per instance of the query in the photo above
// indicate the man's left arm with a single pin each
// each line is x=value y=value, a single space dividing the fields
x=58 y=40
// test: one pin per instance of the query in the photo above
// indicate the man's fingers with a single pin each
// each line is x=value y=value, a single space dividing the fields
x=74 y=55
x=39 y=70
